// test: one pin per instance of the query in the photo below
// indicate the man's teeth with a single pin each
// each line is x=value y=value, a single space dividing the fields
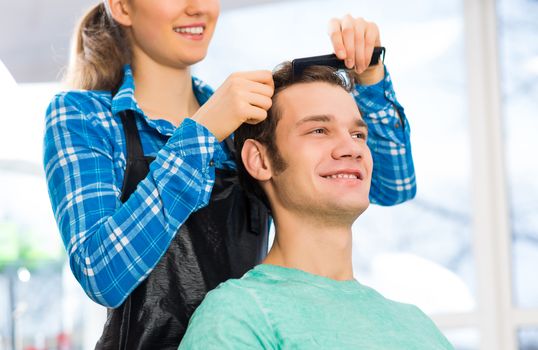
x=341 y=176
x=189 y=30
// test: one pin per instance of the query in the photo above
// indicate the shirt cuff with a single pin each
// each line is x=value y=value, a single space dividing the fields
x=193 y=140
x=372 y=99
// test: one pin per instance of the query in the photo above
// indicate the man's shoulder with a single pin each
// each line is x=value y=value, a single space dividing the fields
x=228 y=291
x=243 y=290
x=244 y=300
x=229 y=317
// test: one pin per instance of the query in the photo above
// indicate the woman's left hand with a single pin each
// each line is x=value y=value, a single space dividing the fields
x=354 y=40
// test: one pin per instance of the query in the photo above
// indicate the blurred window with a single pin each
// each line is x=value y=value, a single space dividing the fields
x=518 y=21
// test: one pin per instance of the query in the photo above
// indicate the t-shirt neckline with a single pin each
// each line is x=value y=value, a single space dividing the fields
x=288 y=273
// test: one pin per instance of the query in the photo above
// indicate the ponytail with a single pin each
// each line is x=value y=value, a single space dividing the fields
x=100 y=48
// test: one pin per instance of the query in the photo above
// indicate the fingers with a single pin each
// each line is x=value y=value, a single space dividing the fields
x=256 y=115
x=243 y=97
x=371 y=39
x=253 y=91
x=360 y=28
x=253 y=82
x=259 y=88
x=354 y=39
x=260 y=101
x=335 y=33
x=260 y=76
x=348 y=36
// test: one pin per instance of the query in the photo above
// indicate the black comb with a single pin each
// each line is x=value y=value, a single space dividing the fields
x=299 y=64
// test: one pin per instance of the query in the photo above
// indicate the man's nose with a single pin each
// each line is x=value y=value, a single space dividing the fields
x=348 y=146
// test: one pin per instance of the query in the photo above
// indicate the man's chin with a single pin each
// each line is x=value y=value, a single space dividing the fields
x=351 y=201
x=348 y=212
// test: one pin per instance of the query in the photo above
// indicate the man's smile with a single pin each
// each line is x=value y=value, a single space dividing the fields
x=354 y=174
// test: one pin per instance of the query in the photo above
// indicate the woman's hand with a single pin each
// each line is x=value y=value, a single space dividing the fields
x=243 y=97
x=354 y=40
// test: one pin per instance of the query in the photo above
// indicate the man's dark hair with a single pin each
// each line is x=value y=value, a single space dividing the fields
x=264 y=132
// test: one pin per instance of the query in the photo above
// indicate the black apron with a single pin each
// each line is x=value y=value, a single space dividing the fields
x=220 y=241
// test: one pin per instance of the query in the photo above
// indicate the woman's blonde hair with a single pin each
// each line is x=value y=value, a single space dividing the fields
x=100 y=49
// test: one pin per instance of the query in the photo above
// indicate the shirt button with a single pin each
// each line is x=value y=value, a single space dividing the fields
x=397 y=125
x=211 y=162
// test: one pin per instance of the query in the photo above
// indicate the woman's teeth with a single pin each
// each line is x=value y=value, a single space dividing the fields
x=190 y=30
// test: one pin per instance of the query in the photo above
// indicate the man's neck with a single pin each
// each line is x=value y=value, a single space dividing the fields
x=163 y=92
x=313 y=246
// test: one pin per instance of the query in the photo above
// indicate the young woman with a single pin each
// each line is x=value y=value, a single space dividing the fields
x=140 y=168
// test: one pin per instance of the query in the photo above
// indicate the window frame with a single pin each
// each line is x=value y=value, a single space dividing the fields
x=496 y=317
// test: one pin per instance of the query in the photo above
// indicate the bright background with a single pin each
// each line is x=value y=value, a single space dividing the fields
x=465 y=250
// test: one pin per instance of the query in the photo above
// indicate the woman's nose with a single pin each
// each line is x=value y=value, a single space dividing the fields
x=195 y=7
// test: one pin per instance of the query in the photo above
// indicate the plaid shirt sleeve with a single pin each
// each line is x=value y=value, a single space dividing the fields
x=393 y=177
x=113 y=246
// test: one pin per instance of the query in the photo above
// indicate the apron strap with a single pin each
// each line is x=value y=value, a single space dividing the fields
x=132 y=137
x=137 y=165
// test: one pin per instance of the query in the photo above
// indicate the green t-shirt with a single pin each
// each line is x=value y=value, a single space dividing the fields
x=273 y=307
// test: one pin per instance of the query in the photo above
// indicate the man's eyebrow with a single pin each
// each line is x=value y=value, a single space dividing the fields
x=315 y=118
x=325 y=118
x=361 y=123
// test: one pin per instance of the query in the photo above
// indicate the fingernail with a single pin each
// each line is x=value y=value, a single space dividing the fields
x=349 y=63
x=341 y=54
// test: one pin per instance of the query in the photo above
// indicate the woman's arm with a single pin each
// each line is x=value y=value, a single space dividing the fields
x=393 y=178
x=112 y=246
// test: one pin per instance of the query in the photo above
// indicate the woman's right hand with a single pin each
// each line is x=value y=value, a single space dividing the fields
x=244 y=97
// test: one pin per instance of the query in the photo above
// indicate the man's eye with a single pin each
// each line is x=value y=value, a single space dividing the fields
x=318 y=131
x=359 y=135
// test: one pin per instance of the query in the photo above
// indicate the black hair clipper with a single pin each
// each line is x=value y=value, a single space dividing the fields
x=299 y=64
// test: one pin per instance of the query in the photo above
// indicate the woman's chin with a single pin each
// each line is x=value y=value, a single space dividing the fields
x=190 y=60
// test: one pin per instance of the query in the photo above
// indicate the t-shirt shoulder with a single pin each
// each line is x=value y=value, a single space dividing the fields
x=229 y=316
x=397 y=306
x=413 y=316
x=240 y=297
x=234 y=290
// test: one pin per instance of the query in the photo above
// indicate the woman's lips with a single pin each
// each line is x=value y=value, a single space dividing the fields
x=192 y=32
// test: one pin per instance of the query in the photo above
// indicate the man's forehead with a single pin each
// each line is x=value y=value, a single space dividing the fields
x=317 y=101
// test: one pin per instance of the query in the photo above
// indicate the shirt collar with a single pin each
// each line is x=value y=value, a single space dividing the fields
x=124 y=100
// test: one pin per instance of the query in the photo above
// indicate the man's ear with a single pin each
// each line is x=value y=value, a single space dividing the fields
x=120 y=11
x=255 y=160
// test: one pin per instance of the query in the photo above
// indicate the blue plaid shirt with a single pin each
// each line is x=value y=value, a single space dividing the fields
x=113 y=246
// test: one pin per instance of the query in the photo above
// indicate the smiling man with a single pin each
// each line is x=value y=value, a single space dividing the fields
x=310 y=162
